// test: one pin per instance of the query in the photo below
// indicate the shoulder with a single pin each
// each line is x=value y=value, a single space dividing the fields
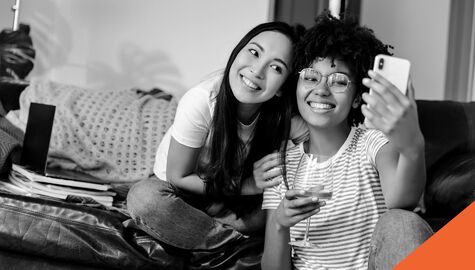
x=293 y=154
x=371 y=141
x=372 y=136
x=298 y=129
x=201 y=98
x=194 y=113
x=204 y=91
x=365 y=136
x=295 y=148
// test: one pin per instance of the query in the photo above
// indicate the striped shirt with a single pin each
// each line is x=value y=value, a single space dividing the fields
x=343 y=227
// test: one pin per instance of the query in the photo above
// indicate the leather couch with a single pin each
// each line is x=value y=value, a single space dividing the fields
x=46 y=234
x=449 y=131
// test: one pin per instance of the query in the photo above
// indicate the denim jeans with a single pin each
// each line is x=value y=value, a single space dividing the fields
x=396 y=235
x=181 y=220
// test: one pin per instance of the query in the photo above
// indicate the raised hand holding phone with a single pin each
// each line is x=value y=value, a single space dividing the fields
x=395 y=114
x=393 y=69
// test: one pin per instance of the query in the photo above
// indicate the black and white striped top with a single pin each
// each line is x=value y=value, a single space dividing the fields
x=343 y=227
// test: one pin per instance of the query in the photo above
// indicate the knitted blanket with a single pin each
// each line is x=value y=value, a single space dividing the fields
x=11 y=139
x=112 y=135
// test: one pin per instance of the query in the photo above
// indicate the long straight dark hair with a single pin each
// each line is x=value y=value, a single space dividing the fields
x=226 y=166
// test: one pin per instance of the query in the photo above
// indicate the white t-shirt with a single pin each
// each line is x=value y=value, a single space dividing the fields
x=193 y=121
x=344 y=226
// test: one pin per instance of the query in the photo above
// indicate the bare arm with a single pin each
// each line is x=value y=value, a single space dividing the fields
x=181 y=162
x=401 y=162
x=402 y=176
x=294 y=207
x=277 y=251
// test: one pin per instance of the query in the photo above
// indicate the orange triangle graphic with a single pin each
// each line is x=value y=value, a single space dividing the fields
x=452 y=247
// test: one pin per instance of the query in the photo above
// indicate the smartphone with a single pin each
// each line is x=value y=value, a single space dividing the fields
x=394 y=69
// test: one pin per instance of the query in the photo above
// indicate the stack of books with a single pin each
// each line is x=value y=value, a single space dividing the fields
x=25 y=181
x=34 y=178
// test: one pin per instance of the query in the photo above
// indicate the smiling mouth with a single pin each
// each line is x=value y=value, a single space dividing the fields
x=250 y=84
x=320 y=106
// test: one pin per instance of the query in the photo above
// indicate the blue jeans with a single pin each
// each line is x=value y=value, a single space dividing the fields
x=183 y=220
x=396 y=235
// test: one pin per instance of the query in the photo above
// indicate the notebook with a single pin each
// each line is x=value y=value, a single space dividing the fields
x=34 y=154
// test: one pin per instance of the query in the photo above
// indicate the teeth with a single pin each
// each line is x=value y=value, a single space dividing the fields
x=316 y=105
x=249 y=83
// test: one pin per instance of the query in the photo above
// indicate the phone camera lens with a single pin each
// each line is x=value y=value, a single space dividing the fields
x=381 y=64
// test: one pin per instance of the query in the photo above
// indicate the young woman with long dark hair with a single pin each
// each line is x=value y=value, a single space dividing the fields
x=224 y=147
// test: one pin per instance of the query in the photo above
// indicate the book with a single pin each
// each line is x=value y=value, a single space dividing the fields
x=35 y=177
x=11 y=188
x=29 y=187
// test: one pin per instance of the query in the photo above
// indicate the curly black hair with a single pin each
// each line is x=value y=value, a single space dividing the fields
x=346 y=41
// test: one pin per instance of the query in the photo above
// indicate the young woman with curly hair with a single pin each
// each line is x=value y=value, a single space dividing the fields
x=372 y=173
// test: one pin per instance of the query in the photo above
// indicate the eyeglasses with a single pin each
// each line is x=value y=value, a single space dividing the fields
x=336 y=82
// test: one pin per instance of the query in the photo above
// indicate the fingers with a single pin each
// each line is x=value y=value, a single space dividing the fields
x=270 y=178
x=383 y=89
x=289 y=217
x=294 y=193
x=272 y=173
x=300 y=198
x=268 y=161
x=297 y=204
x=306 y=210
x=267 y=170
x=270 y=182
x=410 y=89
x=376 y=107
x=302 y=216
x=411 y=92
x=373 y=117
x=386 y=104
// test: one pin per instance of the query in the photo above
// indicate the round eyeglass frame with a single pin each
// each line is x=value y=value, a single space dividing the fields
x=313 y=84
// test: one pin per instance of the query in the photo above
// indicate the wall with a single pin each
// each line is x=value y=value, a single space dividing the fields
x=418 y=29
x=122 y=43
x=174 y=44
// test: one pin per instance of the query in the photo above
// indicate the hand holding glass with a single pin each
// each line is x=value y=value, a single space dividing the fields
x=308 y=178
